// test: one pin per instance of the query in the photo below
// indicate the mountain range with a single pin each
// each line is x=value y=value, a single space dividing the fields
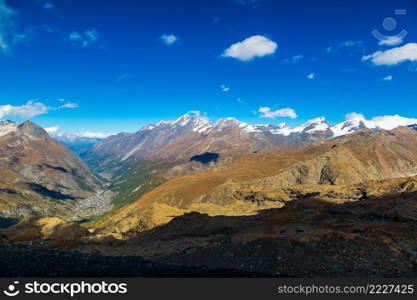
x=189 y=190
x=192 y=134
x=137 y=162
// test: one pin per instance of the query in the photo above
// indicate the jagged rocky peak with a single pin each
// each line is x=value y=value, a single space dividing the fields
x=33 y=130
x=317 y=124
x=228 y=123
x=192 y=119
x=348 y=126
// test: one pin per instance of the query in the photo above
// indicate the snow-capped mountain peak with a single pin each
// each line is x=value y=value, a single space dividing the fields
x=347 y=127
x=314 y=125
x=192 y=119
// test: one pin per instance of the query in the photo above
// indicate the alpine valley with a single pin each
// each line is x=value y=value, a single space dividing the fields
x=217 y=198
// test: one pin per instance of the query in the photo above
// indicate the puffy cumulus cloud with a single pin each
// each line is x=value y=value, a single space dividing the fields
x=29 y=110
x=266 y=112
x=311 y=76
x=251 y=47
x=84 y=39
x=393 y=56
x=169 y=39
x=393 y=40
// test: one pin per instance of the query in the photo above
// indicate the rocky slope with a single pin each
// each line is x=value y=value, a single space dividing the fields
x=366 y=229
x=358 y=230
x=38 y=175
x=365 y=155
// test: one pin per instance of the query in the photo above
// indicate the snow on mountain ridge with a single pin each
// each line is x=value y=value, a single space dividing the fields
x=199 y=124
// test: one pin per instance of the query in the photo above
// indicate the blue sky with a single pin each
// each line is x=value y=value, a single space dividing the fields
x=111 y=66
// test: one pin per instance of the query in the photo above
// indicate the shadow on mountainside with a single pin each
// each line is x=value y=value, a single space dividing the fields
x=372 y=237
x=306 y=238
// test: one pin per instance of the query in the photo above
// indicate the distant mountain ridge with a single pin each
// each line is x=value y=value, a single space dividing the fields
x=76 y=142
x=192 y=134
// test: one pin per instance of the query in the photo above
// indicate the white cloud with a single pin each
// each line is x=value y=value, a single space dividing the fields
x=239 y=100
x=224 y=88
x=387 y=78
x=9 y=36
x=266 y=112
x=169 y=39
x=29 y=110
x=394 y=56
x=56 y=132
x=391 y=41
x=52 y=130
x=311 y=76
x=248 y=49
x=354 y=116
x=68 y=105
x=344 y=44
x=294 y=59
x=90 y=134
x=84 y=39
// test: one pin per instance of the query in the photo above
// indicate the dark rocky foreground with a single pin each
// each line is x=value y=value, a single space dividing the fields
x=28 y=261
